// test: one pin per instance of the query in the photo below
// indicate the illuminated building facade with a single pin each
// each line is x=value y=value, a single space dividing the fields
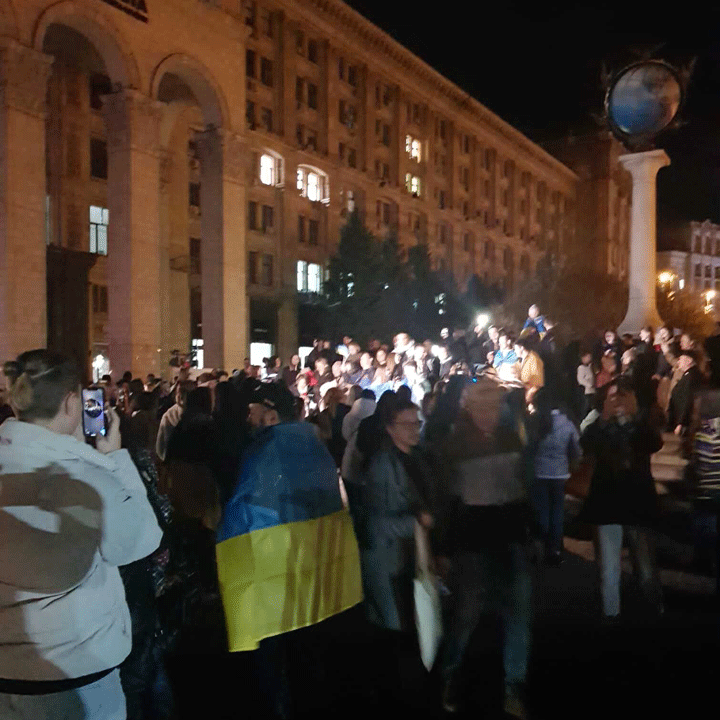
x=175 y=174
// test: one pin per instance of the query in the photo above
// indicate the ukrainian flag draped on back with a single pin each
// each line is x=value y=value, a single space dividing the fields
x=286 y=552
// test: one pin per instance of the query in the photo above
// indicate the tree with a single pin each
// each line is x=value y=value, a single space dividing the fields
x=353 y=287
x=578 y=302
x=685 y=309
x=375 y=290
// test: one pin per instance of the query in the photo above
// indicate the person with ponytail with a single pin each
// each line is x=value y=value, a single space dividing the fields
x=70 y=515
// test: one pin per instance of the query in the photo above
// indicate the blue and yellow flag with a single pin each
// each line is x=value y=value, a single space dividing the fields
x=287 y=555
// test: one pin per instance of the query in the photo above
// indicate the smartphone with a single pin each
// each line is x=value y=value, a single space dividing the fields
x=93 y=402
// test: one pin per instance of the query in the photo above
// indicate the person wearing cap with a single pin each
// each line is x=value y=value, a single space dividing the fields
x=287 y=556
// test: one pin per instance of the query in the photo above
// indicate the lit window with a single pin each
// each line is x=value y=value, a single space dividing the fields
x=99 y=218
x=351 y=201
x=682 y=284
x=309 y=277
x=412 y=183
x=314 y=278
x=413 y=148
x=313 y=187
x=312 y=184
x=267 y=170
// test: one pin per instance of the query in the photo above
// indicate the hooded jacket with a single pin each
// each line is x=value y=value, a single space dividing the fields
x=69 y=517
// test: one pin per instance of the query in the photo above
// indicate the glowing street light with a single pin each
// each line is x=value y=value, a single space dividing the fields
x=666 y=277
x=710 y=295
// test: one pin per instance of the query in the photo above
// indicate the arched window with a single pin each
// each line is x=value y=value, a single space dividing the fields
x=313 y=184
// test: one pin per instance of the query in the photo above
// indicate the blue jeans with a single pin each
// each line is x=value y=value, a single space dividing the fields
x=608 y=552
x=101 y=700
x=548 y=498
x=497 y=578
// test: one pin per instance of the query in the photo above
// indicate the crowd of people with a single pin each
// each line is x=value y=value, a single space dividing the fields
x=462 y=445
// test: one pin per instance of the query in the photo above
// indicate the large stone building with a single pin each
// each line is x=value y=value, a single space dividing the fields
x=176 y=172
x=603 y=203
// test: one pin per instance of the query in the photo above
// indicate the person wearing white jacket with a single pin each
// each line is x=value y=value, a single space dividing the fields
x=69 y=516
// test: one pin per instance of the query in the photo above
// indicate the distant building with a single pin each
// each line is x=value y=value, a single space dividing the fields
x=691 y=251
x=604 y=200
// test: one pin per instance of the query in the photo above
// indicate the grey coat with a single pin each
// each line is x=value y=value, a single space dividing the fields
x=387 y=542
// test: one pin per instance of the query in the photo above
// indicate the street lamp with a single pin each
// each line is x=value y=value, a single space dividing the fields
x=482 y=320
x=666 y=277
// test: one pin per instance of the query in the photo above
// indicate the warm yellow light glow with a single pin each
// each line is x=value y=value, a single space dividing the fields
x=710 y=295
x=666 y=277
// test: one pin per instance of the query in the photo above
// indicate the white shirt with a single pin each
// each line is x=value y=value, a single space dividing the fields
x=586 y=378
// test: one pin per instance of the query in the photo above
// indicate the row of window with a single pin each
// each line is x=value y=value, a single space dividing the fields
x=306 y=92
x=308 y=229
x=311 y=183
x=261 y=217
x=261 y=271
x=266 y=68
x=708 y=271
x=710 y=246
x=314 y=186
x=266 y=116
x=249 y=9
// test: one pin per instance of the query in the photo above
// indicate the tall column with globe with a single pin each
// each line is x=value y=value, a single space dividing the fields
x=642 y=101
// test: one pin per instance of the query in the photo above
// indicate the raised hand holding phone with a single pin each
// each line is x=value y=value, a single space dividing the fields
x=110 y=442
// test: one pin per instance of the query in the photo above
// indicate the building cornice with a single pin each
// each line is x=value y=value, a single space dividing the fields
x=358 y=30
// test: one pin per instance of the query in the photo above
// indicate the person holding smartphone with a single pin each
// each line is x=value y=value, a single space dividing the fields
x=71 y=515
x=622 y=500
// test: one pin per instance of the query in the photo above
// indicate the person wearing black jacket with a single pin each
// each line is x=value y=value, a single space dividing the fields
x=682 y=398
x=143 y=674
x=314 y=354
x=609 y=345
x=291 y=371
x=548 y=349
x=622 y=500
x=371 y=431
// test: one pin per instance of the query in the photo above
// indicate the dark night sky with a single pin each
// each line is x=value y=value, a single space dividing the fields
x=538 y=65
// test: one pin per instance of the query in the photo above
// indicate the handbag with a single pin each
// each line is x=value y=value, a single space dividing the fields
x=428 y=611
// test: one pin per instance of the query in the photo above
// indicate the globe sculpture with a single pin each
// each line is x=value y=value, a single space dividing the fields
x=643 y=100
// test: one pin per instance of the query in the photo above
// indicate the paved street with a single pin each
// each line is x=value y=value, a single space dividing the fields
x=646 y=667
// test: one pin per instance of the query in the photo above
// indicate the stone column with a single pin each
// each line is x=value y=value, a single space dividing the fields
x=223 y=158
x=642 y=309
x=133 y=124
x=23 y=311
x=288 y=332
